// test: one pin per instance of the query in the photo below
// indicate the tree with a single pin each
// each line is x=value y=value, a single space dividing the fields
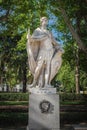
x=74 y=33
x=21 y=15
x=66 y=76
x=15 y=20
x=73 y=13
x=72 y=21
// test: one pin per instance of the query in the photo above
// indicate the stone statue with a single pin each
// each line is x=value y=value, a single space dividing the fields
x=44 y=55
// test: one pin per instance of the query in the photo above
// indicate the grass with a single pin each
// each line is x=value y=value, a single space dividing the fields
x=13 y=119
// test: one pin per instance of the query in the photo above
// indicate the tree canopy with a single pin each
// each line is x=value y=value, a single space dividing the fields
x=68 y=20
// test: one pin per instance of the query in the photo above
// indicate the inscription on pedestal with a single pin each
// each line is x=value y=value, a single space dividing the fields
x=43 y=90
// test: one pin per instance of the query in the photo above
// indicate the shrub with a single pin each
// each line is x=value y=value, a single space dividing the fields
x=14 y=96
x=24 y=97
x=73 y=97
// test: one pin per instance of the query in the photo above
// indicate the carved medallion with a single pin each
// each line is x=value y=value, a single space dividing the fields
x=45 y=106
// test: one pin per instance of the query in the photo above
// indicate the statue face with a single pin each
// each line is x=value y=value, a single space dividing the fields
x=44 y=21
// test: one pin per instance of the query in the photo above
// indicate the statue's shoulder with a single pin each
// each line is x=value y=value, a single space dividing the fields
x=37 y=31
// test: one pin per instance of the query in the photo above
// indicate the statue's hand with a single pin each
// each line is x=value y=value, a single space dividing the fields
x=57 y=47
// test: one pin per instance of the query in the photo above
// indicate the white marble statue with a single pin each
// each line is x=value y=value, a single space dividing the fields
x=44 y=55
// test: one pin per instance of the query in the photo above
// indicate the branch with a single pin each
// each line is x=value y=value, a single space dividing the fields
x=75 y=34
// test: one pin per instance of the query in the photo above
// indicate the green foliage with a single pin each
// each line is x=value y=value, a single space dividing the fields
x=66 y=76
x=73 y=97
x=21 y=15
x=13 y=119
x=83 y=80
x=76 y=11
x=67 y=72
x=15 y=20
x=14 y=96
x=21 y=46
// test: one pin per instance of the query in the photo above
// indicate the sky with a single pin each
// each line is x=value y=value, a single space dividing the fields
x=57 y=34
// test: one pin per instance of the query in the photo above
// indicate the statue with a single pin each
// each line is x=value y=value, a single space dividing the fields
x=44 y=55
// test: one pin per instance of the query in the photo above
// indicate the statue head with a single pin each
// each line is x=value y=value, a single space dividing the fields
x=43 y=20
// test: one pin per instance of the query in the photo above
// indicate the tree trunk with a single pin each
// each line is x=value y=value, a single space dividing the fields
x=74 y=33
x=77 y=72
x=24 y=79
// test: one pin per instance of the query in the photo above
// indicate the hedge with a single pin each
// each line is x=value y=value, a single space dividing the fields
x=73 y=97
x=25 y=97
x=14 y=96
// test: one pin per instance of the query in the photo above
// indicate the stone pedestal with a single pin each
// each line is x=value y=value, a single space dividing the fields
x=43 y=109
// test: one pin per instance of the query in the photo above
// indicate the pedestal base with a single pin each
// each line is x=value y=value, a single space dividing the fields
x=43 y=110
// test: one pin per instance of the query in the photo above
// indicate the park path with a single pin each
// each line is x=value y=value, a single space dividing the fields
x=66 y=127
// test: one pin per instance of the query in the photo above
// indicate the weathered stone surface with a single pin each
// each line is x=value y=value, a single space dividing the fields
x=43 y=112
x=45 y=90
x=44 y=55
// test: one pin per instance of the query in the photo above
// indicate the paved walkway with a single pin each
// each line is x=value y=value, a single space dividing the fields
x=80 y=127
x=75 y=127
x=67 y=127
